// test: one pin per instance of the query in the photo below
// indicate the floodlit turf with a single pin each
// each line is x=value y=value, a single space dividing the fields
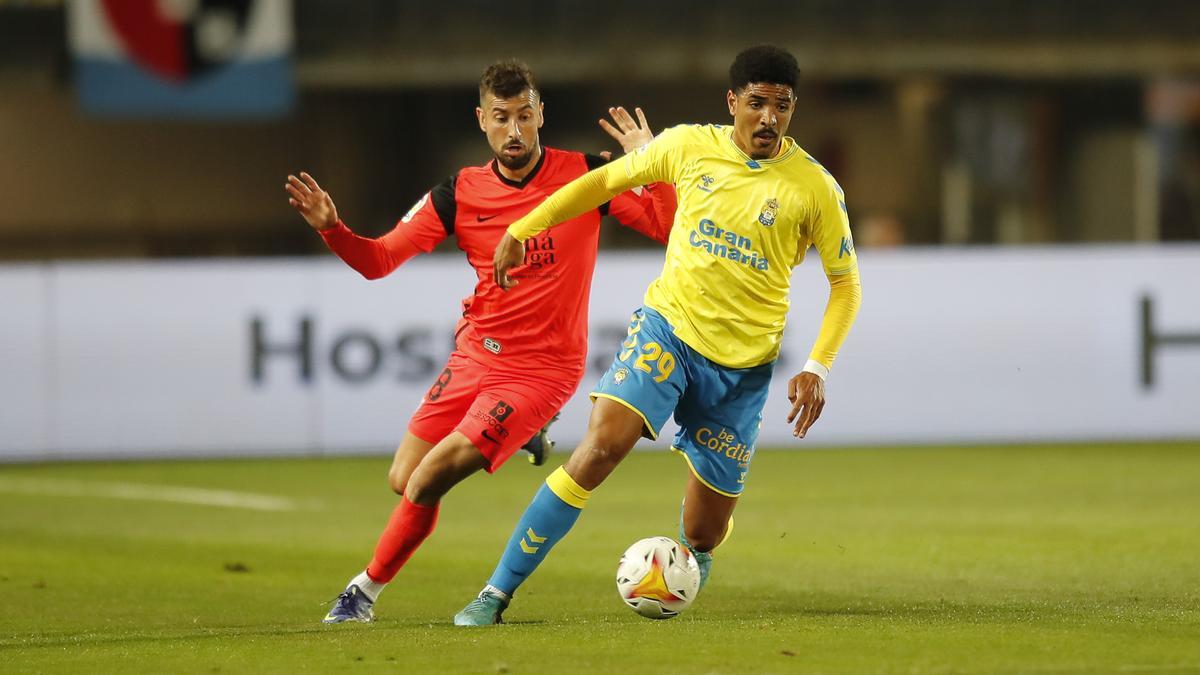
x=1063 y=559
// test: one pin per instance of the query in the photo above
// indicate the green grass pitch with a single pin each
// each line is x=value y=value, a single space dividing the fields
x=1041 y=559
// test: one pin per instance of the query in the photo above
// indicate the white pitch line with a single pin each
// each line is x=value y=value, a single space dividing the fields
x=145 y=492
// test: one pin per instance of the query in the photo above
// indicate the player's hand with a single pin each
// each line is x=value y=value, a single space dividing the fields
x=625 y=130
x=806 y=391
x=510 y=253
x=313 y=203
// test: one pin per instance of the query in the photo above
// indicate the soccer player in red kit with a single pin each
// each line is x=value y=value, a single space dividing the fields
x=518 y=360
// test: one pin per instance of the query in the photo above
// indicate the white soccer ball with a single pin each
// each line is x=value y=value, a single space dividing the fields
x=658 y=578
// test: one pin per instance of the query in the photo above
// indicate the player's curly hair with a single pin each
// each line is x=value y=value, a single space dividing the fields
x=506 y=79
x=765 y=64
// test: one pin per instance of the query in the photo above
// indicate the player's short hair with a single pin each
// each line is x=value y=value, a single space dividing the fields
x=765 y=64
x=506 y=79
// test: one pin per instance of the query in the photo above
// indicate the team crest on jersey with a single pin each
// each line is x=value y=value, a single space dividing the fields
x=416 y=207
x=770 y=209
x=620 y=375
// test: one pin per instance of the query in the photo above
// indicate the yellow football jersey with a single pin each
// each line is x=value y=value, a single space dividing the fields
x=741 y=226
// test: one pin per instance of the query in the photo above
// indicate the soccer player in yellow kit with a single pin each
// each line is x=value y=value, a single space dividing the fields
x=704 y=343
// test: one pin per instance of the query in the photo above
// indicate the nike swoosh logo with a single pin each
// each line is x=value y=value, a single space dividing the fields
x=482 y=217
x=488 y=436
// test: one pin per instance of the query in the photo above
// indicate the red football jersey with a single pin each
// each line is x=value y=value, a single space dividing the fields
x=543 y=321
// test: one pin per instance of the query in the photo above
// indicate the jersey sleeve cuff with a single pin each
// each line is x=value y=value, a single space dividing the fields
x=516 y=233
x=817 y=369
x=337 y=229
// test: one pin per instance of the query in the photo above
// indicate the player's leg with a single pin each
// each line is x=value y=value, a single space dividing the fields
x=633 y=399
x=613 y=429
x=448 y=463
x=705 y=522
x=451 y=461
x=505 y=410
x=408 y=455
x=442 y=407
x=719 y=418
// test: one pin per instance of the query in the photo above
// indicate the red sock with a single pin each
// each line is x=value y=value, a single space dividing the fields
x=409 y=525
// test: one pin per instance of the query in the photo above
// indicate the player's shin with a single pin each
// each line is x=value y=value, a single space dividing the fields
x=549 y=517
x=408 y=527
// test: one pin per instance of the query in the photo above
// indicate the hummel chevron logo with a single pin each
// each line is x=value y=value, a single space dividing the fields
x=533 y=539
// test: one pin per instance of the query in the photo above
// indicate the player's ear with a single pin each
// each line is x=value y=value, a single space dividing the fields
x=731 y=100
x=479 y=116
x=541 y=114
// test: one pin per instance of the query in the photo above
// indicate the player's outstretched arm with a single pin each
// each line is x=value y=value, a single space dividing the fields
x=373 y=258
x=579 y=196
x=314 y=204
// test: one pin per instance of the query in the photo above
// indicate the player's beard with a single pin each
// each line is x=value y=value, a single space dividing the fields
x=515 y=162
x=771 y=137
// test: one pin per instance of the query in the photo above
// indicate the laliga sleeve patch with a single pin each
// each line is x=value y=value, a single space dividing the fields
x=416 y=207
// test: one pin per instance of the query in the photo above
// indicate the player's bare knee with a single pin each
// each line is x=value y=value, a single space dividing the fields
x=423 y=491
x=397 y=480
x=422 y=485
x=418 y=495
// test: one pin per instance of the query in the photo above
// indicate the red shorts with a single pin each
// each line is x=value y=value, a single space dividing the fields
x=497 y=411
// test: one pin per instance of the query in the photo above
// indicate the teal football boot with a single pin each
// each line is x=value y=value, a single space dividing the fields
x=484 y=610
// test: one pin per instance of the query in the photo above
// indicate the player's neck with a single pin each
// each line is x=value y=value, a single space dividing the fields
x=518 y=175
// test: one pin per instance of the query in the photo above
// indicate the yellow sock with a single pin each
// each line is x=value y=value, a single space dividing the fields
x=566 y=489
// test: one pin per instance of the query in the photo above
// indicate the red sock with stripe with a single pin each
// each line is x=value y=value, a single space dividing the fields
x=409 y=525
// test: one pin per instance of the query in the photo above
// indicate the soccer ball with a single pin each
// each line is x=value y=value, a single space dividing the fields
x=658 y=578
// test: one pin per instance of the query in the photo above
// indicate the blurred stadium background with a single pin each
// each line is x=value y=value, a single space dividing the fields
x=1023 y=181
